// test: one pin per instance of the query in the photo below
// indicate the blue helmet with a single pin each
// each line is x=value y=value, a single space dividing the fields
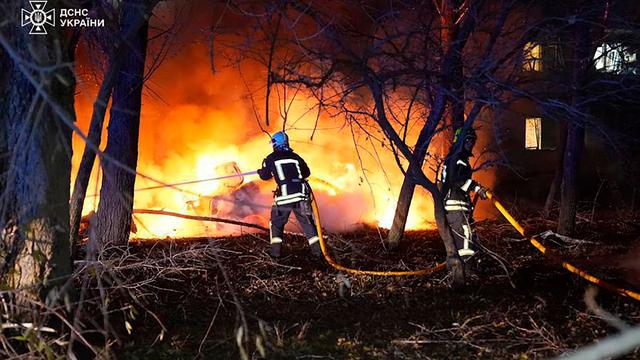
x=280 y=141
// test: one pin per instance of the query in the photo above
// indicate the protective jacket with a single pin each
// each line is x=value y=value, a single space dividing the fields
x=290 y=172
x=456 y=173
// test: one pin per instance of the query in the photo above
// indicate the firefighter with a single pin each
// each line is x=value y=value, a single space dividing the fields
x=457 y=184
x=292 y=193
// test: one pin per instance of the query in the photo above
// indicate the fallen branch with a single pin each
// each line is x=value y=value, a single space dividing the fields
x=563 y=238
x=199 y=218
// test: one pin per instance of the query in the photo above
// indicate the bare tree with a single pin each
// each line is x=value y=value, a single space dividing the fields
x=590 y=26
x=34 y=218
x=450 y=13
x=575 y=132
x=116 y=49
x=399 y=58
x=594 y=77
x=116 y=193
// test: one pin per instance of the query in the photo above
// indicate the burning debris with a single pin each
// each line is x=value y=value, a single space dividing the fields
x=240 y=203
x=236 y=200
x=234 y=179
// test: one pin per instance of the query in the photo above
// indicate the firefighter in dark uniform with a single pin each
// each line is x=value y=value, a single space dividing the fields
x=457 y=184
x=292 y=194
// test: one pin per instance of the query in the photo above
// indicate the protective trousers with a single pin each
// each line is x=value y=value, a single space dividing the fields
x=464 y=236
x=302 y=210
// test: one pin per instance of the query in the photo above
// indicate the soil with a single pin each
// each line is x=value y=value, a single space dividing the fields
x=298 y=307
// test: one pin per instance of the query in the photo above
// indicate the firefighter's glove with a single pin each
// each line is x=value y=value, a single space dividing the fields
x=482 y=192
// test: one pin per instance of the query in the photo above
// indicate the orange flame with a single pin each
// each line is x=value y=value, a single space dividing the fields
x=205 y=120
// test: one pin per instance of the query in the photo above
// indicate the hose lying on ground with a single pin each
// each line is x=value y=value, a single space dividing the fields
x=566 y=265
x=421 y=272
x=335 y=265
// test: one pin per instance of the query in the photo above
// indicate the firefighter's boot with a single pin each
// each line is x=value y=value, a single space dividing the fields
x=276 y=247
x=314 y=244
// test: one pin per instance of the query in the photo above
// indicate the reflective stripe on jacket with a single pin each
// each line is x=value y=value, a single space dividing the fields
x=290 y=172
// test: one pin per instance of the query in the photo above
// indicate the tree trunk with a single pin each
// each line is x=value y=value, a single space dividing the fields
x=402 y=212
x=87 y=162
x=454 y=80
x=95 y=128
x=408 y=183
x=408 y=188
x=571 y=164
x=5 y=77
x=554 y=187
x=120 y=163
x=454 y=263
x=575 y=130
x=35 y=206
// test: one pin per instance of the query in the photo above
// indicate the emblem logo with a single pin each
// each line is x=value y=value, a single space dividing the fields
x=38 y=17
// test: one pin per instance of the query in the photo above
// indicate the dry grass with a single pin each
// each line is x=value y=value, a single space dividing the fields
x=227 y=298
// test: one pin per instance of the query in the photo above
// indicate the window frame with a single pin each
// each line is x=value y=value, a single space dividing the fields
x=533 y=57
x=538 y=136
x=616 y=57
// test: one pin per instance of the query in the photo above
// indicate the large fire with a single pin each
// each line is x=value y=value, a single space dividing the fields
x=197 y=125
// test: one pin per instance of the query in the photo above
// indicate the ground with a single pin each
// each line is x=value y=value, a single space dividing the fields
x=300 y=307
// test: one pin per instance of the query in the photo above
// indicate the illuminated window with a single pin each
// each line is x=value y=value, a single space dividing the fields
x=532 y=57
x=533 y=133
x=616 y=58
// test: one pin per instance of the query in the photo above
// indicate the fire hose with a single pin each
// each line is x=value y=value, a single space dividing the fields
x=571 y=268
x=175 y=185
x=335 y=265
x=324 y=247
x=199 y=181
x=565 y=264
